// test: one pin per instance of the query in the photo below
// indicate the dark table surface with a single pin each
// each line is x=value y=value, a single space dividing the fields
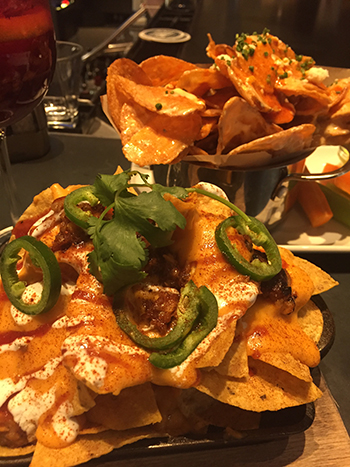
x=316 y=28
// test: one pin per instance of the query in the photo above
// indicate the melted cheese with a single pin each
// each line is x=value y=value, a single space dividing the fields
x=196 y=245
x=267 y=330
x=78 y=342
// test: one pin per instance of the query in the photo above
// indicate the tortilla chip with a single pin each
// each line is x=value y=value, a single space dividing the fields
x=340 y=95
x=174 y=421
x=43 y=201
x=267 y=388
x=267 y=330
x=91 y=430
x=311 y=321
x=87 y=447
x=133 y=407
x=322 y=281
x=235 y=362
x=272 y=378
x=286 y=362
x=218 y=348
x=216 y=413
x=300 y=279
x=16 y=452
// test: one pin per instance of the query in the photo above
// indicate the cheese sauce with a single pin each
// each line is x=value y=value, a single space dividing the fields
x=45 y=358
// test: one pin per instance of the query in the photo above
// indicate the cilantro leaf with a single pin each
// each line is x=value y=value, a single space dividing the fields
x=176 y=191
x=140 y=211
x=118 y=256
x=120 y=244
x=106 y=186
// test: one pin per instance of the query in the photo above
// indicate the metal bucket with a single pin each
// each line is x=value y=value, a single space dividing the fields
x=258 y=192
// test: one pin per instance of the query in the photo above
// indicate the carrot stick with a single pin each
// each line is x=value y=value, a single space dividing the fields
x=297 y=167
x=342 y=182
x=314 y=203
x=292 y=197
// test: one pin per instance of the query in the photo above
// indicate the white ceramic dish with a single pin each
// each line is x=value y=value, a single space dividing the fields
x=296 y=234
x=164 y=35
x=5 y=235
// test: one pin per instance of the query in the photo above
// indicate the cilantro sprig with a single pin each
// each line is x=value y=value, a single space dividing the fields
x=131 y=223
x=121 y=240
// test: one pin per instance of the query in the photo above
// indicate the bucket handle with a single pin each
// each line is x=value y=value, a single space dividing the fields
x=301 y=177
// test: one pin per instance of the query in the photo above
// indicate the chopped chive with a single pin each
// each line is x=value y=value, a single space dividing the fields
x=245 y=54
x=158 y=106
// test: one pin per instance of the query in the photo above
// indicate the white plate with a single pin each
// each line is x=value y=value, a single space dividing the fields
x=164 y=35
x=296 y=234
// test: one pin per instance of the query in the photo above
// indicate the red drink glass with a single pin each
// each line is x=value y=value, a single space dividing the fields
x=27 y=60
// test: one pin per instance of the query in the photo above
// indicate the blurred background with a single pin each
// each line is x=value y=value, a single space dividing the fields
x=109 y=29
